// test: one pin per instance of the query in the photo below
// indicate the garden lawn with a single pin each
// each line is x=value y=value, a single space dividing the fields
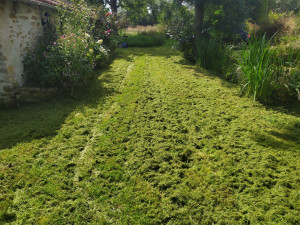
x=152 y=140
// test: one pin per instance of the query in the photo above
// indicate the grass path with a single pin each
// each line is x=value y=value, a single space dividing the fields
x=153 y=140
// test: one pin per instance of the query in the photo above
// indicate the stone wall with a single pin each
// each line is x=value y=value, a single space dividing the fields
x=33 y=94
x=6 y=88
x=20 y=26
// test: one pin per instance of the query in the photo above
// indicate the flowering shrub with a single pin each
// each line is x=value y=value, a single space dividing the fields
x=65 y=56
x=107 y=27
x=179 y=26
x=68 y=60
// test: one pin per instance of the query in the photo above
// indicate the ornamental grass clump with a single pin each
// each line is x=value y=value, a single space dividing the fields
x=258 y=69
x=212 y=55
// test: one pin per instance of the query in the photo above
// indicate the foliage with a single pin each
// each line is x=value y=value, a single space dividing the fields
x=66 y=61
x=179 y=23
x=137 y=12
x=66 y=56
x=142 y=12
x=256 y=10
x=179 y=26
x=96 y=2
x=223 y=18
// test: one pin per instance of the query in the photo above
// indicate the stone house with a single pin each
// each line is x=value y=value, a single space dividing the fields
x=21 y=22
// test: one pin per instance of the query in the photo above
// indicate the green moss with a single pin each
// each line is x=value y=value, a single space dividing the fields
x=153 y=140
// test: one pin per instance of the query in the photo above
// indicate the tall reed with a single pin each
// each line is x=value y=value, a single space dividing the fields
x=211 y=55
x=258 y=67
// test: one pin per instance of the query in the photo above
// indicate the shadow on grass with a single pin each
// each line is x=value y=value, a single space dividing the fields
x=198 y=72
x=44 y=119
x=35 y=121
x=290 y=106
x=129 y=54
x=286 y=139
x=39 y=120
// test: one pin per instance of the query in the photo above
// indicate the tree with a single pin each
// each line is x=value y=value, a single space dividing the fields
x=256 y=9
x=114 y=5
x=199 y=19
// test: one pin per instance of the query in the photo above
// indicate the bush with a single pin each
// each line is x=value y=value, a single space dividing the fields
x=65 y=56
x=64 y=61
x=179 y=24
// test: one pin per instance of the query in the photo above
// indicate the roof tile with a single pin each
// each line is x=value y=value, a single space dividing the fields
x=53 y=2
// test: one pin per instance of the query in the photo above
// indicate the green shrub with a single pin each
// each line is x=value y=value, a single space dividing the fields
x=65 y=56
x=146 y=39
x=64 y=61
x=212 y=55
x=179 y=23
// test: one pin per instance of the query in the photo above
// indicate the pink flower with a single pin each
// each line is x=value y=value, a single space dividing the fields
x=108 y=14
x=54 y=43
x=107 y=32
x=249 y=36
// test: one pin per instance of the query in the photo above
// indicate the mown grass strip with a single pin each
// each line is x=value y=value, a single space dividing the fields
x=167 y=143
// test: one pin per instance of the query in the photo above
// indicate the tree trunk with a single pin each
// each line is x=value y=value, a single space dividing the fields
x=113 y=6
x=199 y=17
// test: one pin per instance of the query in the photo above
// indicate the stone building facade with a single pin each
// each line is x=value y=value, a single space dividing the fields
x=21 y=22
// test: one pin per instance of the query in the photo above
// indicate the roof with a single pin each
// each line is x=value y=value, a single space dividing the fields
x=50 y=3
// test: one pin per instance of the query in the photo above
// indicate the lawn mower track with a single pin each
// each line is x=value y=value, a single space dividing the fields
x=153 y=140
